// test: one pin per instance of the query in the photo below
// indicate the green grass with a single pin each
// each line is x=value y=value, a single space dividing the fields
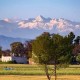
x=24 y=69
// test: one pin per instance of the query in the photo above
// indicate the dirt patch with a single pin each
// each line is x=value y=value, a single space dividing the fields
x=21 y=77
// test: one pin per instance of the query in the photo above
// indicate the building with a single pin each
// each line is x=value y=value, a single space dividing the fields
x=7 y=56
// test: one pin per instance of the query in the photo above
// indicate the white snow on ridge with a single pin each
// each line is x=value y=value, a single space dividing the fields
x=41 y=22
x=48 y=24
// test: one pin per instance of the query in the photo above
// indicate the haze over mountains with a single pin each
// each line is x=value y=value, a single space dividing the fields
x=32 y=27
x=6 y=41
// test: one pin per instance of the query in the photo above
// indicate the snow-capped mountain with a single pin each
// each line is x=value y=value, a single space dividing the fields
x=13 y=20
x=48 y=23
x=32 y=27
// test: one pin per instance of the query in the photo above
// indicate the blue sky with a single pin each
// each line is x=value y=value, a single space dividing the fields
x=69 y=9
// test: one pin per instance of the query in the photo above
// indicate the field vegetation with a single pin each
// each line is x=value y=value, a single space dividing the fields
x=24 y=69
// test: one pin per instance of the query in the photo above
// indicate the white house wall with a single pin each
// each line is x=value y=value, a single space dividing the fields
x=6 y=58
x=13 y=58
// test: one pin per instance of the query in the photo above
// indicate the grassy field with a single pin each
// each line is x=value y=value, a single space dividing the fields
x=24 y=69
x=36 y=72
x=18 y=77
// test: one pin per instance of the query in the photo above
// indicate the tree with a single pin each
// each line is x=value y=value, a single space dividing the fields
x=63 y=47
x=17 y=48
x=71 y=36
x=54 y=48
x=76 y=53
x=0 y=48
x=77 y=40
x=78 y=58
x=28 y=49
x=42 y=50
x=76 y=50
x=0 y=51
x=57 y=48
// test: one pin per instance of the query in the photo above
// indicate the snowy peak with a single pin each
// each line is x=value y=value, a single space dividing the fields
x=60 y=24
x=13 y=20
x=7 y=20
x=33 y=27
x=39 y=18
x=40 y=22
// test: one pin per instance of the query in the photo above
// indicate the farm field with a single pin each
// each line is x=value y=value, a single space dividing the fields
x=24 y=69
x=36 y=72
x=19 y=77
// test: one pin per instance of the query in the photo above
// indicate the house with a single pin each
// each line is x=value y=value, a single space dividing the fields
x=22 y=56
x=7 y=56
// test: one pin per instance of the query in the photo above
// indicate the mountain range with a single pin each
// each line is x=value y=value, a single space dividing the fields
x=32 y=27
x=6 y=41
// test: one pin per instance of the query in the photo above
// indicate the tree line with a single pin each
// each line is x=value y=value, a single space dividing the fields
x=18 y=49
x=49 y=43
